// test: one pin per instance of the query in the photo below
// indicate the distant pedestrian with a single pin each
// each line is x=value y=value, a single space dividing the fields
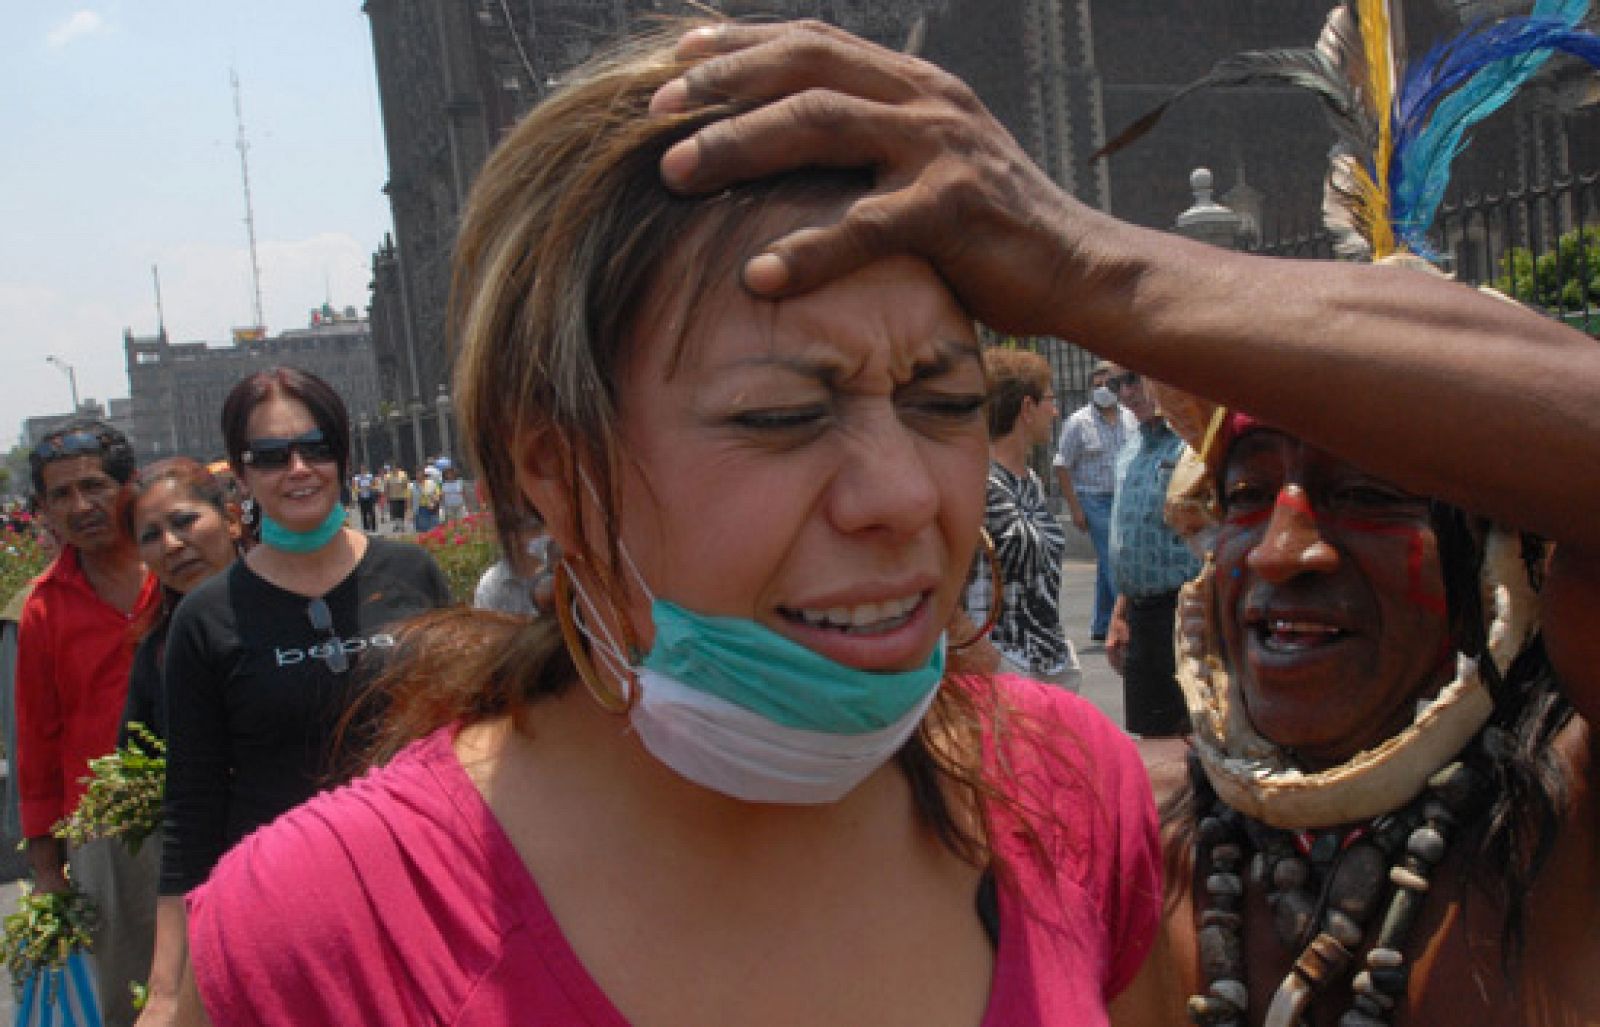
x=397 y=490
x=455 y=493
x=1150 y=562
x=366 y=490
x=429 y=498
x=1028 y=541
x=1085 y=466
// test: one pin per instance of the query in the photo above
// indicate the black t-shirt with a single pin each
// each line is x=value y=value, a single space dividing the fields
x=252 y=703
x=147 y=700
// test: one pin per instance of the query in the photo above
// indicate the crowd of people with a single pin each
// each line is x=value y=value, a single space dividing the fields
x=394 y=500
x=768 y=714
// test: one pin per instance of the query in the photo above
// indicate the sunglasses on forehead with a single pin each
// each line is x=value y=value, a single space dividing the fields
x=270 y=454
x=78 y=443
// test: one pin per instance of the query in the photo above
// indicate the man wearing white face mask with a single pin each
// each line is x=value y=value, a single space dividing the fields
x=1085 y=463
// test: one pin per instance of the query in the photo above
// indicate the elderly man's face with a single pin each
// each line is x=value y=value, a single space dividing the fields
x=1330 y=598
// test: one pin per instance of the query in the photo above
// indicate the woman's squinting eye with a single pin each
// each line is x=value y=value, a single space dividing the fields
x=782 y=419
x=950 y=406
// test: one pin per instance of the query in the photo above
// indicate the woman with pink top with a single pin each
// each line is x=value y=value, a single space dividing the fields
x=742 y=774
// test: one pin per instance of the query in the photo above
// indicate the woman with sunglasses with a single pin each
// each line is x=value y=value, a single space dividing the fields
x=263 y=662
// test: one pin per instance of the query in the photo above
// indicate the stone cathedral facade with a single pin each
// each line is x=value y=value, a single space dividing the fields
x=1062 y=75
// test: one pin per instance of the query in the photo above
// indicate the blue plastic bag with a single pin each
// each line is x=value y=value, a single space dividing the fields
x=60 y=997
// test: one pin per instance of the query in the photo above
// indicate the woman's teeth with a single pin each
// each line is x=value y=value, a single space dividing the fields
x=865 y=619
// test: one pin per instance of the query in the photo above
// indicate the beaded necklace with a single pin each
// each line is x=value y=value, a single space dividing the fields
x=1325 y=887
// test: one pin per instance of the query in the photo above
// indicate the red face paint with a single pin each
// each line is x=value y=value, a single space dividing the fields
x=1416 y=546
x=1294 y=499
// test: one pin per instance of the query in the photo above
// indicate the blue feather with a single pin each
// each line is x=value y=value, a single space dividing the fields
x=1435 y=111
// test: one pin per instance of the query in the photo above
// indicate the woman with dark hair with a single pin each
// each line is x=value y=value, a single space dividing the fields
x=264 y=661
x=739 y=775
x=185 y=532
x=179 y=518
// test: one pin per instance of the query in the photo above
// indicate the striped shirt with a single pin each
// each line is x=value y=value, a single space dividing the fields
x=1029 y=544
x=1089 y=446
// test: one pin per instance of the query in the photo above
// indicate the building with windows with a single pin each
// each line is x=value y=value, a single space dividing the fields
x=1062 y=75
x=176 y=389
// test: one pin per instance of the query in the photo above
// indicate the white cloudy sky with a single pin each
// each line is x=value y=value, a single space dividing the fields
x=119 y=135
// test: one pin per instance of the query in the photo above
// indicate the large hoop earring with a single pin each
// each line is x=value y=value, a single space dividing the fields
x=609 y=699
x=997 y=594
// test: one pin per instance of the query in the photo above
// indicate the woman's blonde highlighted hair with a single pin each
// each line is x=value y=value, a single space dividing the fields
x=568 y=240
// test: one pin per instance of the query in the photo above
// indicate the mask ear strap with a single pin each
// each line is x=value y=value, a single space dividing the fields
x=622 y=548
x=621 y=700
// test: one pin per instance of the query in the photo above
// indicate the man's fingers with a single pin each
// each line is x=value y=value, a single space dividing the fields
x=813 y=129
x=872 y=228
x=728 y=37
x=757 y=64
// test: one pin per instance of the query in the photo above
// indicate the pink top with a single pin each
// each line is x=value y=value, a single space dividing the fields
x=399 y=899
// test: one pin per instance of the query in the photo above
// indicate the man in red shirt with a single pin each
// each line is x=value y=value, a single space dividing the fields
x=74 y=650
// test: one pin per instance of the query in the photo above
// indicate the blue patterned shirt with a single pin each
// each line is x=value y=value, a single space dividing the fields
x=1147 y=557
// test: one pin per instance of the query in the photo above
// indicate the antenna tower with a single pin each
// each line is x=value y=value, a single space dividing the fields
x=249 y=207
x=161 y=316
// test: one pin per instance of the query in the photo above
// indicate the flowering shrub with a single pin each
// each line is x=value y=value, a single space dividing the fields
x=22 y=557
x=463 y=549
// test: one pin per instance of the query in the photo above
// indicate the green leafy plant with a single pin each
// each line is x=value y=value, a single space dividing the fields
x=463 y=549
x=45 y=930
x=1564 y=279
x=22 y=557
x=123 y=799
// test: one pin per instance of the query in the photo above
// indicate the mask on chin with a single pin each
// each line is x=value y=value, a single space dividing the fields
x=737 y=708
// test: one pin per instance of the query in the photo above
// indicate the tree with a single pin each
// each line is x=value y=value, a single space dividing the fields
x=14 y=479
x=1565 y=279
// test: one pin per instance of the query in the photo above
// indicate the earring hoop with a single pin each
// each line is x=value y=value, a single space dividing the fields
x=609 y=699
x=997 y=594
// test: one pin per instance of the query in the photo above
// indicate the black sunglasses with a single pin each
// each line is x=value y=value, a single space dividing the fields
x=1122 y=381
x=78 y=443
x=272 y=454
x=322 y=620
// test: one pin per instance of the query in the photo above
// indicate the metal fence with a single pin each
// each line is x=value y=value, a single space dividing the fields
x=1540 y=244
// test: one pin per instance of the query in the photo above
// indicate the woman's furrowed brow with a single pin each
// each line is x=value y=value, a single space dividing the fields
x=947 y=355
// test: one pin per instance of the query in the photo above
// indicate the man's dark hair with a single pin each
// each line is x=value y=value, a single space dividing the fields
x=83 y=436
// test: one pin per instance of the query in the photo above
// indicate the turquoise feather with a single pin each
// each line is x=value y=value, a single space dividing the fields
x=1431 y=127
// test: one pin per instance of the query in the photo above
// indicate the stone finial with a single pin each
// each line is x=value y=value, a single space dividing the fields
x=1207 y=220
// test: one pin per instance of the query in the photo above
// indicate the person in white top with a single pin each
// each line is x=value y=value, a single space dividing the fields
x=1085 y=463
